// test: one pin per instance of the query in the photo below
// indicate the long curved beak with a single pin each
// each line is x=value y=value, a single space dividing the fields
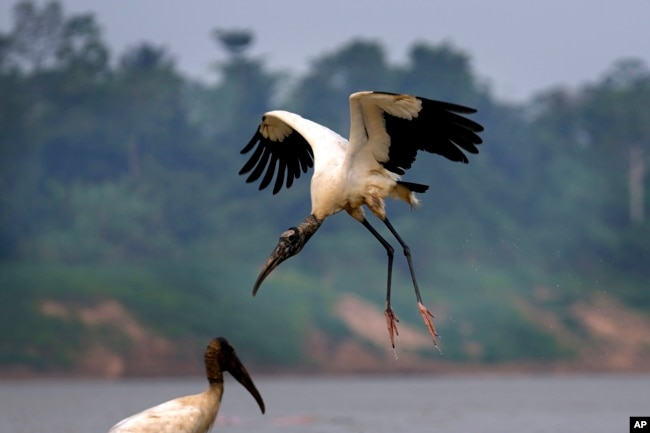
x=239 y=372
x=279 y=255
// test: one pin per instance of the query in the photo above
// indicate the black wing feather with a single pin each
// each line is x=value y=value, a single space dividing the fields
x=284 y=159
x=279 y=180
x=270 y=171
x=256 y=154
x=439 y=128
x=261 y=165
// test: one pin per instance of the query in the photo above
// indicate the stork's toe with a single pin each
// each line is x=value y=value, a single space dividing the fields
x=391 y=323
x=427 y=316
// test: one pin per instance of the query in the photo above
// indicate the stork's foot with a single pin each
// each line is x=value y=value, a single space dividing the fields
x=428 y=321
x=391 y=323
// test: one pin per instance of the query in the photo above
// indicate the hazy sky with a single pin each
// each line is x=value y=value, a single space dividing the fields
x=518 y=47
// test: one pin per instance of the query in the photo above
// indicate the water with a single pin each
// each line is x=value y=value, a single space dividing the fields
x=413 y=404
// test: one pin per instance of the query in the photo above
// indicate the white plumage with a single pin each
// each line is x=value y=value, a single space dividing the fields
x=194 y=413
x=386 y=132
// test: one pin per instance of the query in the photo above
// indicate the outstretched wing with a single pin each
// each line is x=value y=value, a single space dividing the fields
x=278 y=148
x=398 y=126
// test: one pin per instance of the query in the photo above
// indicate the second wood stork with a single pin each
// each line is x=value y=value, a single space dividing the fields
x=194 y=413
x=386 y=132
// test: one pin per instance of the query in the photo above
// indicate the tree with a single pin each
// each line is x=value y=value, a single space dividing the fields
x=234 y=41
x=82 y=51
x=36 y=35
x=592 y=146
x=153 y=118
x=439 y=72
x=227 y=112
x=617 y=121
x=322 y=95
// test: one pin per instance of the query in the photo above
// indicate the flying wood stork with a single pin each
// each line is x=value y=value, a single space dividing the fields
x=386 y=132
x=194 y=413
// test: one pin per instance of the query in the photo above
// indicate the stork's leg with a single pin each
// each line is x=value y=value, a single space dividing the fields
x=391 y=318
x=424 y=312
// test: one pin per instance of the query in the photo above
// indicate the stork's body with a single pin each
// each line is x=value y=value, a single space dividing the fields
x=194 y=413
x=386 y=132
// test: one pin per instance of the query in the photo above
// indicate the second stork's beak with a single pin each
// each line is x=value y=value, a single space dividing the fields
x=290 y=244
x=239 y=372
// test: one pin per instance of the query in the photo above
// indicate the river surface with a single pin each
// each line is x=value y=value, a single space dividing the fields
x=354 y=404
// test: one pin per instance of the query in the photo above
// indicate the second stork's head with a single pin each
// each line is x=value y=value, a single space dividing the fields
x=290 y=243
x=220 y=356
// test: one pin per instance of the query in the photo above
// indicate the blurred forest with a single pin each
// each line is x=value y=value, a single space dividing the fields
x=119 y=186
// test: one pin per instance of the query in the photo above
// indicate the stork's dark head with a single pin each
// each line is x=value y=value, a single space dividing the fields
x=290 y=243
x=220 y=356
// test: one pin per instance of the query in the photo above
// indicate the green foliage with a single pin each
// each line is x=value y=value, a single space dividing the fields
x=119 y=180
x=188 y=301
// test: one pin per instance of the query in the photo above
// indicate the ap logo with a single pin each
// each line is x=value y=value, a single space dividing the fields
x=640 y=424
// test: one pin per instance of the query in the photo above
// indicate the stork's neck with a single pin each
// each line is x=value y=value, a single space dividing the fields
x=308 y=227
x=214 y=392
x=213 y=370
